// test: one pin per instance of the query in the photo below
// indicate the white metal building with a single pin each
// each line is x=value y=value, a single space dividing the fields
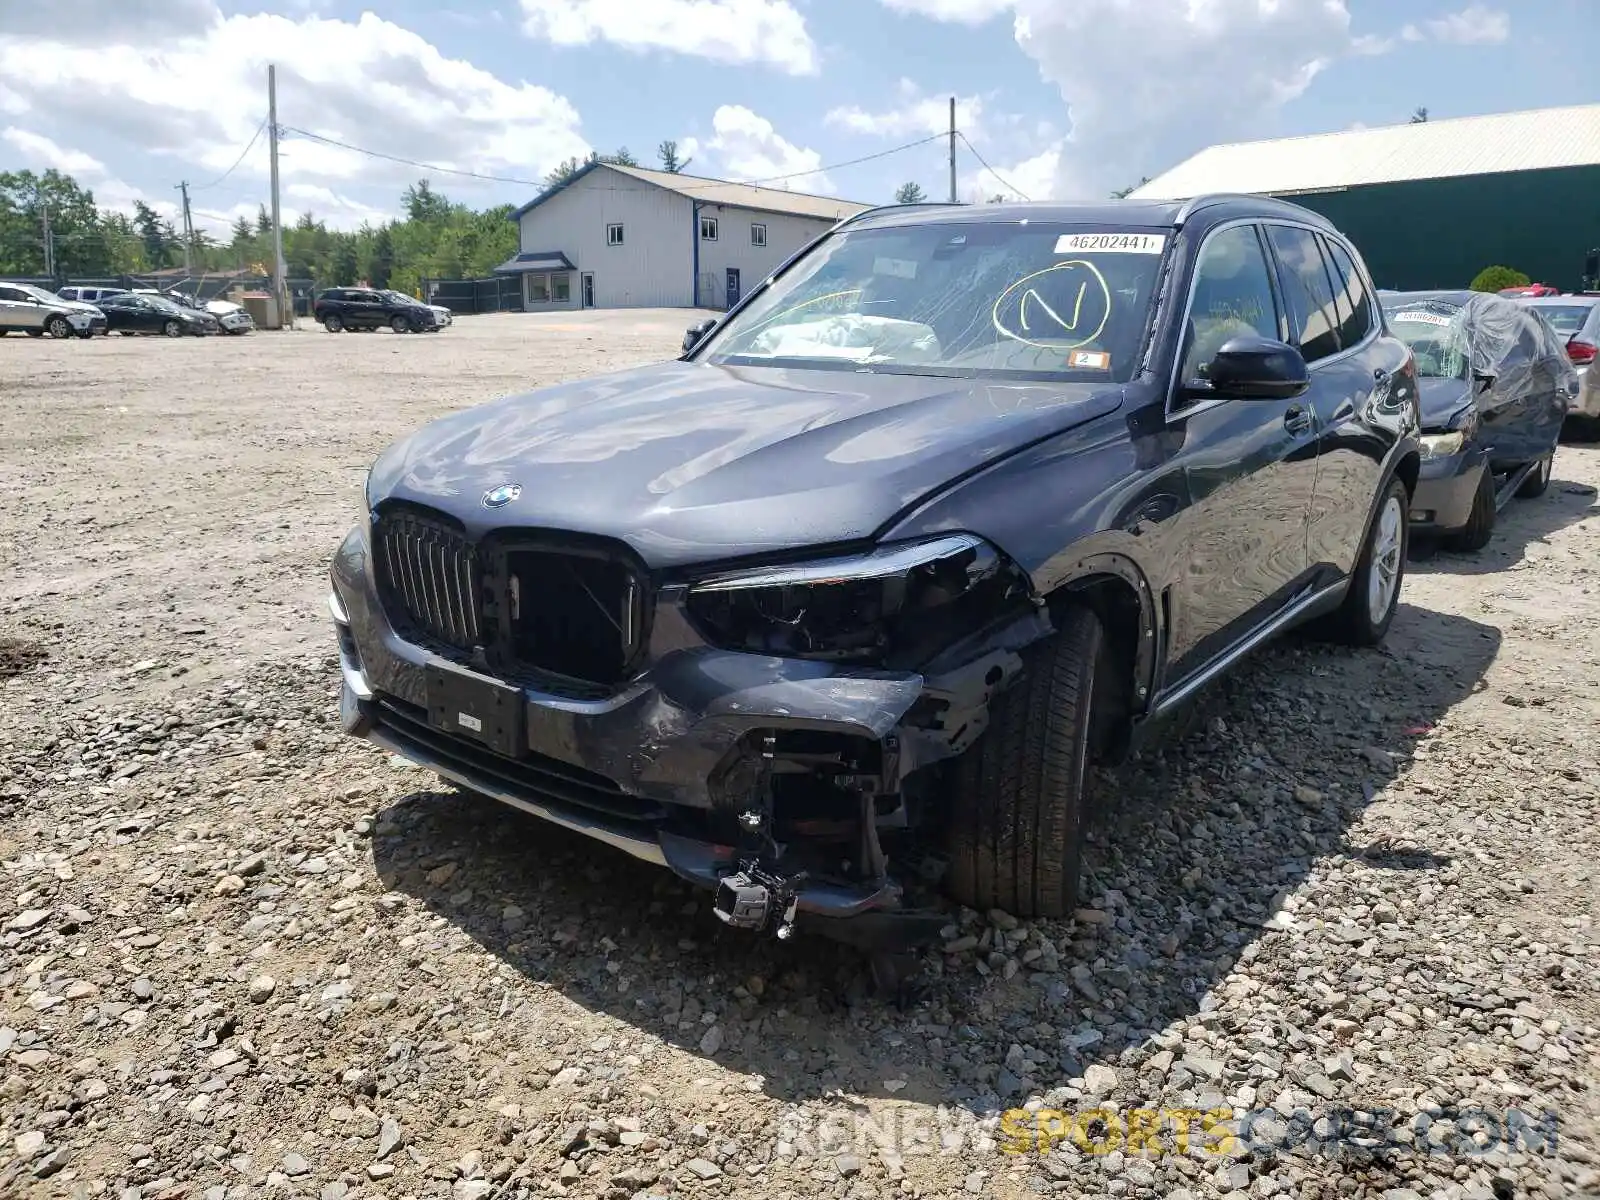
x=621 y=237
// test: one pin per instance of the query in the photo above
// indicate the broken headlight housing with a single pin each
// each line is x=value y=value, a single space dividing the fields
x=894 y=606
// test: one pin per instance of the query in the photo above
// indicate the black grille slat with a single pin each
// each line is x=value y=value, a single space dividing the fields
x=578 y=623
x=431 y=572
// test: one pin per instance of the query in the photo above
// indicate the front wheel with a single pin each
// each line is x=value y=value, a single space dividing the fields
x=1538 y=480
x=1017 y=802
x=1369 y=605
x=333 y=323
x=172 y=329
x=400 y=325
x=1475 y=534
x=59 y=327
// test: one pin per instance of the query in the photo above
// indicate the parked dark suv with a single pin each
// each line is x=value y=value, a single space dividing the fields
x=369 y=308
x=960 y=500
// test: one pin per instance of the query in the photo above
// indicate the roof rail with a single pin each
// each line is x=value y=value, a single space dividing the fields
x=878 y=208
x=1195 y=203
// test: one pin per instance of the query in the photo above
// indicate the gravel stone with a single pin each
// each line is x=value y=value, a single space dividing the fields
x=1350 y=878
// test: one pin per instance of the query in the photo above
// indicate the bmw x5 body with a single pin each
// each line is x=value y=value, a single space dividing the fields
x=958 y=501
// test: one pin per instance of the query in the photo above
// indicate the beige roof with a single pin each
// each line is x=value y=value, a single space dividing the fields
x=1517 y=141
x=747 y=195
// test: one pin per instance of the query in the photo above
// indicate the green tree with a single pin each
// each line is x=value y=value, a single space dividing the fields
x=667 y=152
x=910 y=193
x=565 y=171
x=263 y=221
x=242 y=233
x=422 y=203
x=149 y=225
x=344 y=266
x=1494 y=279
x=380 y=264
x=622 y=158
x=25 y=200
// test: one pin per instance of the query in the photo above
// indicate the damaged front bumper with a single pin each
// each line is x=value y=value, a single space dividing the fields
x=768 y=779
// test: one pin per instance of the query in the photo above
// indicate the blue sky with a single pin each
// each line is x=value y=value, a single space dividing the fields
x=1062 y=100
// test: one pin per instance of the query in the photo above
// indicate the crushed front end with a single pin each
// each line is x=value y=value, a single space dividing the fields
x=771 y=733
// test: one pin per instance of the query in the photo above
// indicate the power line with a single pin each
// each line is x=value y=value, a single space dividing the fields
x=1003 y=181
x=248 y=146
x=687 y=187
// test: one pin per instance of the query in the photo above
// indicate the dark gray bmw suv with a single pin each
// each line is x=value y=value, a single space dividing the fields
x=956 y=503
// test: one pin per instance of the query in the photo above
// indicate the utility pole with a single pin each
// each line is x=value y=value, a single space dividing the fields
x=188 y=233
x=49 y=241
x=280 y=282
x=952 y=149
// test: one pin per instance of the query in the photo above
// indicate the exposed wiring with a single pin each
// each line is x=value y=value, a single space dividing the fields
x=248 y=146
x=686 y=187
x=1010 y=187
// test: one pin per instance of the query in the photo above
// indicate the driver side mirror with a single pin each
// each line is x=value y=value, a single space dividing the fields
x=1251 y=367
x=696 y=334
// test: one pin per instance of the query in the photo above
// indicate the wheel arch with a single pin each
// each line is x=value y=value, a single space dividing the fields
x=1114 y=588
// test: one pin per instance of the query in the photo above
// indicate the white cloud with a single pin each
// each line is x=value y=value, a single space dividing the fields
x=1207 y=71
x=336 y=209
x=730 y=31
x=914 y=113
x=368 y=83
x=966 y=12
x=747 y=147
x=39 y=149
x=1031 y=179
x=1473 y=25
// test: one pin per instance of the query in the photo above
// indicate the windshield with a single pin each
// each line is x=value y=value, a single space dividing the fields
x=400 y=297
x=997 y=299
x=163 y=304
x=1433 y=331
x=1565 y=319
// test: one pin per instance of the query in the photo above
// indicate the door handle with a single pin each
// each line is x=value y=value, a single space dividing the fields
x=1297 y=419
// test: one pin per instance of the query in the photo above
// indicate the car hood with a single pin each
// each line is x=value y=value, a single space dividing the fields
x=1440 y=401
x=691 y=463
x=75 y=306
x=221 y=308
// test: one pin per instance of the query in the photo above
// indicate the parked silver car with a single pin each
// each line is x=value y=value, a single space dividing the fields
x=1576 y=321
x=34 y=311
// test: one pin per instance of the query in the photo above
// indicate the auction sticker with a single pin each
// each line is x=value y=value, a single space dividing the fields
x=1422 y=318
x=1111 y=243
x=1090 y=360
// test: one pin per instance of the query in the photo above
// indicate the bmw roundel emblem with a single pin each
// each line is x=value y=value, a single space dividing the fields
x=501 y=496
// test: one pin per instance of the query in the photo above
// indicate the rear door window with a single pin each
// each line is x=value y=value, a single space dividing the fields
x=1313 y=314
x=1355 y=305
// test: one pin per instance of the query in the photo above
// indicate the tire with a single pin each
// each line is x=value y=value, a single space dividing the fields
x=1475 y=534
x=1538 y=480
x=1018 y=804
x=1364 y=616
x=333 y=323
x=400 y=325
x=58 y=327
x=172 y=329
x=86 y=334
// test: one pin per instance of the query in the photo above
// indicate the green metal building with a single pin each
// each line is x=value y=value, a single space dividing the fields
x=1431 y=204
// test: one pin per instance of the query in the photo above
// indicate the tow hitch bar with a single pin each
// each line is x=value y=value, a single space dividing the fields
x=750 y=897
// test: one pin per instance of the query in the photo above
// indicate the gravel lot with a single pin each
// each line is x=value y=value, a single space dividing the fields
x=241 y=955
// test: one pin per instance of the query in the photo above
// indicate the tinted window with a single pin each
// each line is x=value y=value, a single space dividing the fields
x=1313 y=318
x=1232 y=294
x=1355 y=306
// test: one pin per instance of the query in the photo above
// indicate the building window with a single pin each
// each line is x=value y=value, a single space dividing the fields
x=554 y=288
x=758 y=235
x=708 y=229
x=613 y=235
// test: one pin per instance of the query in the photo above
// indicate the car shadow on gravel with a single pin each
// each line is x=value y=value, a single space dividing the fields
x=1521 y=523
x=1207 y=835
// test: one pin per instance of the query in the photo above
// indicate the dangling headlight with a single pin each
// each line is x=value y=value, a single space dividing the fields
x=893 y=606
